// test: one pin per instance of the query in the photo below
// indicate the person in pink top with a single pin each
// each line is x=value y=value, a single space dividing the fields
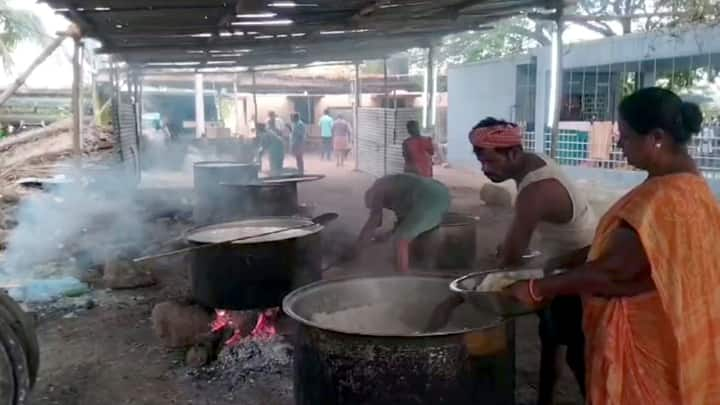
x=341 y=133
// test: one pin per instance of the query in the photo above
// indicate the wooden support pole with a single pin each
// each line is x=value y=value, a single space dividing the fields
x=557 y=56
x=386 y=105
x=139 y=105
x=430 y=91
x=77 y=99
x=236 y=104
x=199 y=106
x=356 y=116
x=55 y=44
x=255 y=104
x=97 y=107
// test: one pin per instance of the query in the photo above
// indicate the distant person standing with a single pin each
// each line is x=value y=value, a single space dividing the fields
x=297 y=141
x=341 y=133
x=275 y=123
x=271 y=143
x=418 y=151
x=326 y=125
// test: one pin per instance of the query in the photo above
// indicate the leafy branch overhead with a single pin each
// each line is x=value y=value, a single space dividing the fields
x=16 y=26
x=603 y=17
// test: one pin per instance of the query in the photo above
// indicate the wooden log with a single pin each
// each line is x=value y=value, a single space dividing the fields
x=77 y=100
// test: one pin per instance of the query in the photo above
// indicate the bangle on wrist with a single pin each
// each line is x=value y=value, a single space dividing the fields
x=531 y=289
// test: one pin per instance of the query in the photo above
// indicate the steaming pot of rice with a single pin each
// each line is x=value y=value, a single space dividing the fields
x=356 y=332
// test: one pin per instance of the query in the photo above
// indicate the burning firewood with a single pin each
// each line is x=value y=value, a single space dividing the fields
x=246 y=324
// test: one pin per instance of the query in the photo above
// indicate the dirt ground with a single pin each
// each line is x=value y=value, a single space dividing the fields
x=109 y=355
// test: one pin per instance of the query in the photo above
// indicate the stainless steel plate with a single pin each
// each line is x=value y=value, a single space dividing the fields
x=495 y=301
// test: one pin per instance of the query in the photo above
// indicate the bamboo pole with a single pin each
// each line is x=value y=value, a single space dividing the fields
x=430 y=91
x=255 y=104
x=236 y=104
x=386 y=105
x=356 y=117
x=76 y=99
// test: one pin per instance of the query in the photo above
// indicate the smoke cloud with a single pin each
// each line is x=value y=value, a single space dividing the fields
x=83 y=213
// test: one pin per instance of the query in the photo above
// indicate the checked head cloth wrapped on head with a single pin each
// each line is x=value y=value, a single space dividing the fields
x=501 y=135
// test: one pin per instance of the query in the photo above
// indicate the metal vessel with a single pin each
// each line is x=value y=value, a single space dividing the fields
x=211 y=199
x=451 y=245
x=254 y=273
x=470 y=361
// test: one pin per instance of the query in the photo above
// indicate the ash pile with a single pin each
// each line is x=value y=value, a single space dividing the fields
x=257 y=370
x=241 y=355
x=249 y=360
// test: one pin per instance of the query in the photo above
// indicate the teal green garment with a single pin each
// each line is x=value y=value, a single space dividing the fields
x=419 y=203
x=326 y=123
x=273 y=145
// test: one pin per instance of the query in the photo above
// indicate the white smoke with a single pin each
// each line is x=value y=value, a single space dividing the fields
x=83 y=215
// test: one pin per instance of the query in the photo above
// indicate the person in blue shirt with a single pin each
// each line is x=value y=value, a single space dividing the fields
x=326 y=124
x=297 y=141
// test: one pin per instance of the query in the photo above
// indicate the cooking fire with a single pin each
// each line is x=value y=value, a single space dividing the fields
x=237 y=321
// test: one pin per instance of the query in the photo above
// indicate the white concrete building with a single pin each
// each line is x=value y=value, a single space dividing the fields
x=597 y=74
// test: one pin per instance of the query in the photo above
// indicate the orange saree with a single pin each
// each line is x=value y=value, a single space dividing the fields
x=661 y=347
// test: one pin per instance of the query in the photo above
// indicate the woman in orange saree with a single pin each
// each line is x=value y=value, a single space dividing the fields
x=651 y=282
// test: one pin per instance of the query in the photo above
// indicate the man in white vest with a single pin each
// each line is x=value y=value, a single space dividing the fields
x=547 y=203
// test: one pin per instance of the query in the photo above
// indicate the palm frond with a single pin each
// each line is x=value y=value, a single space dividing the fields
x=16 y=26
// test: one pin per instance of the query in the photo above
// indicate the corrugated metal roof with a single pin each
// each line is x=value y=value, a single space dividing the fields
x=225 y=33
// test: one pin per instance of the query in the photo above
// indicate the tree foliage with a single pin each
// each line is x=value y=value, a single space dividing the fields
x=16 y=26
x=521 y=33
x=669 y=13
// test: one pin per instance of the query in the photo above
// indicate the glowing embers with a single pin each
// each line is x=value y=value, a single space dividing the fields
x=240 y=321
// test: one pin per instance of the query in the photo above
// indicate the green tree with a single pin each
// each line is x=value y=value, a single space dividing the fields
x=605 y=17
x=667 y=13
x=16 y=26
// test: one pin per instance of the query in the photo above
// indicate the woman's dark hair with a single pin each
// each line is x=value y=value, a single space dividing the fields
x=658 y=108
x=491 y=122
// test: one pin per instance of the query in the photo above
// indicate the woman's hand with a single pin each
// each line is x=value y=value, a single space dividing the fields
x=521 y=292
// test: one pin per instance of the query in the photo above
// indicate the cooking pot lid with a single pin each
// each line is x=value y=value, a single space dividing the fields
x=292 y=178
x=239 y=229
x=223 y=163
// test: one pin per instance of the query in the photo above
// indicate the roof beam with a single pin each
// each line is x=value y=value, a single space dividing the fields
x=157 y=31
x=132 y=4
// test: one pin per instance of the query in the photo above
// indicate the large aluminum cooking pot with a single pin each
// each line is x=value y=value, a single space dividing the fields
x=258 y=272
x=451 y=245
x=266 y=197
x=260 y=200
x=361 y=341
x=211 y=198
